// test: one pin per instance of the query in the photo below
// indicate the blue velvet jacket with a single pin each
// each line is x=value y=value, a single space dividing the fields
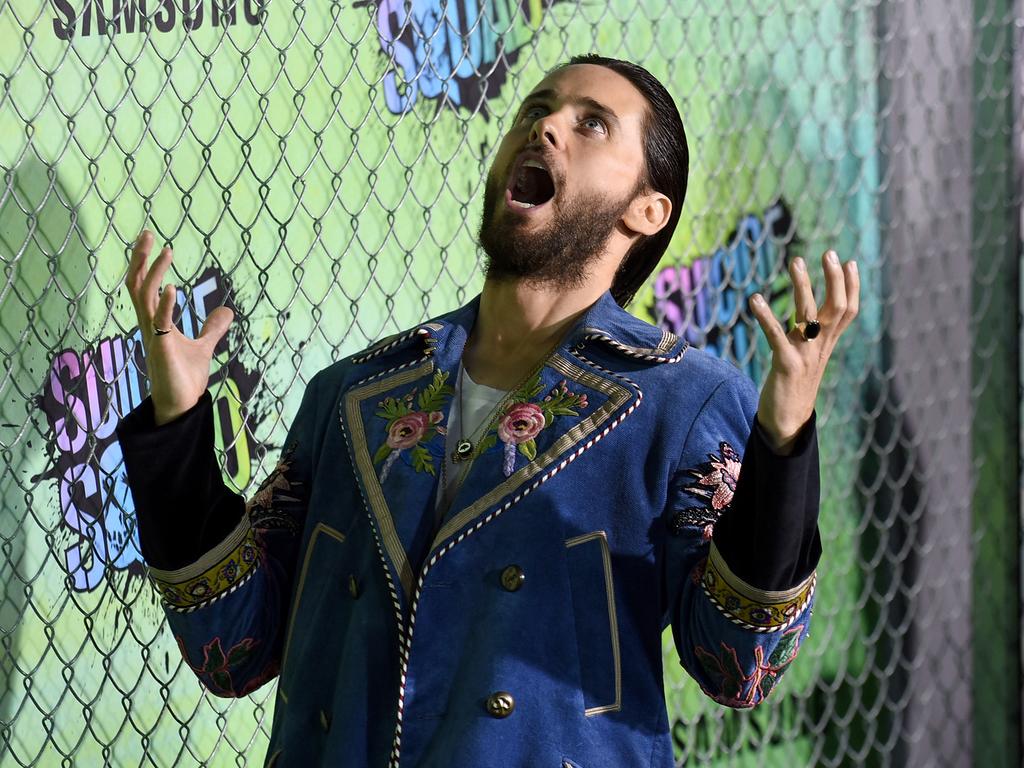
x=523 y=628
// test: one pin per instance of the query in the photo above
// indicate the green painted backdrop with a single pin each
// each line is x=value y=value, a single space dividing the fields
x=320 y=167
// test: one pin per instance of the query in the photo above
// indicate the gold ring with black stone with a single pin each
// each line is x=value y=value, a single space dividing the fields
x=809 y=329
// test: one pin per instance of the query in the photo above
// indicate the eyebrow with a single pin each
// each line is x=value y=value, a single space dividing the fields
x=593 y=104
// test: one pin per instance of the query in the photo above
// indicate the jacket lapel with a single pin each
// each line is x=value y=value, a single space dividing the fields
x=395 y=422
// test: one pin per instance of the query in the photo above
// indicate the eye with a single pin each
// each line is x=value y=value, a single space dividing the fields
x=595 y=124
x=534 y=112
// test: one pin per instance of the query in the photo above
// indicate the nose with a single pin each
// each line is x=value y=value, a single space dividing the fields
x=546 y=129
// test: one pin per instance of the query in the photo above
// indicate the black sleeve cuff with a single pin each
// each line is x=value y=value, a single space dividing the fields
x=182 y=506
x=769 y=535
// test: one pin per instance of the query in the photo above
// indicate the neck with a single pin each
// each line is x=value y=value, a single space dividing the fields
x=517 y=325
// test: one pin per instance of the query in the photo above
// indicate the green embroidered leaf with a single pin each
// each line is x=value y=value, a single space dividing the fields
x=392 y=409
x=784 y=651
x=527 y=391
x=529 y=449
x=240 y=652
x=563 y=410
x=222 y=679
x=729 y=682
x=488 y=442
x=766 y=684
x=382 y=453
x=214 y=655
x=711 y=664
x=432 y=398
x=548 y=417
x=422 y=461
x=564 y=400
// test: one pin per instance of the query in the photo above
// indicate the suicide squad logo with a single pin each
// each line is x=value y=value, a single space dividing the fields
x=455 y=53
x=86 y=393
x=706 y=301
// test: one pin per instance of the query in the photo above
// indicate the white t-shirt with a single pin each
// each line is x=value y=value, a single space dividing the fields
x=478 y=400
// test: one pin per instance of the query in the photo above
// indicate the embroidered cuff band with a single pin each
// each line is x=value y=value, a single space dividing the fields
x=751 y=608
x=216 y=574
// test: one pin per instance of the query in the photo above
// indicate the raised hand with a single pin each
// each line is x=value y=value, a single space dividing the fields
x=798 y=363
x=179 y=367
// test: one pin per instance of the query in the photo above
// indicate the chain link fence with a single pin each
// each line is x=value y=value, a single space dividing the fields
x=319 y=167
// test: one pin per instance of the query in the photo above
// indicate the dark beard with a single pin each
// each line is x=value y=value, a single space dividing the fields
x=559 y=255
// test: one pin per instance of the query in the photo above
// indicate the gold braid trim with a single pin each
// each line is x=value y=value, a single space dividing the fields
x=217 y=573
x=752 y=608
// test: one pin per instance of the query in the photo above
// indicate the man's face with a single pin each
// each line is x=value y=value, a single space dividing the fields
x=563 y=176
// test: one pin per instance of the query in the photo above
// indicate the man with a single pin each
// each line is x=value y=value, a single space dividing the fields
x=480 y=527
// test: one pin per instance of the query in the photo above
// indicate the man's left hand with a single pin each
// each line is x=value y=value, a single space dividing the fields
x=798 y=364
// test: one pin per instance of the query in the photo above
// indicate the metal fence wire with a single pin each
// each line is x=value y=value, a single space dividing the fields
x=319 y=167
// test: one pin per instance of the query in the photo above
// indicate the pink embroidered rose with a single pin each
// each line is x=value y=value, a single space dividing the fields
x=409 y=429
x=523 y=422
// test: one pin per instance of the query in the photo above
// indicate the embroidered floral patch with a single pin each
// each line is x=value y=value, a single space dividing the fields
x=280 y=500
x=714 y=481
x=699 y=516
x=522 y=420
x=737 y=689
x=218 y=665
x=410 y=428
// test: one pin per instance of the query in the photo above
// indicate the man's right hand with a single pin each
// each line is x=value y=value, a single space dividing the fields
x=179 y=367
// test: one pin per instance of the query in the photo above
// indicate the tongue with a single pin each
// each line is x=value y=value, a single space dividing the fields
x=526 y=187
x=533 y=186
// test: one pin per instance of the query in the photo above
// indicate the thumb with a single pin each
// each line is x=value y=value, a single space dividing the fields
x=217 y=323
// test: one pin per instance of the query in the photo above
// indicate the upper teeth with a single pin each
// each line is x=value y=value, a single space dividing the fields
x=534 y=164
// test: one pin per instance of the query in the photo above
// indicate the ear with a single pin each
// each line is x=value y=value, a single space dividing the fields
x=648 y=213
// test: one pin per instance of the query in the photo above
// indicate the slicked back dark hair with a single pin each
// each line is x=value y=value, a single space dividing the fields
x=666 y=168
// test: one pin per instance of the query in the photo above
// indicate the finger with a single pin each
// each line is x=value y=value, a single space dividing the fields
x=136 y=265
x=153 y=279
x=162 y=317
x=771 y=326
x=216 y=324
x=803 y=294
x=834 y=308
x=852 y=294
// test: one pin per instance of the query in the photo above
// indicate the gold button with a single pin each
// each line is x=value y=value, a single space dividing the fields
x=353 y=586
x=500 y=704
x=512 y=578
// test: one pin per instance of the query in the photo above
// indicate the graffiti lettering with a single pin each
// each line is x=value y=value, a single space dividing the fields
x=706 y=302
x=83 y=398
x=456 y=52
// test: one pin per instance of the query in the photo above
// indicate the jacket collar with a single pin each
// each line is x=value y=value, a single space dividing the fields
x=604 y=322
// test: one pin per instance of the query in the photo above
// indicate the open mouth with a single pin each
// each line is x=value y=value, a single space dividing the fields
x=532 y=185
